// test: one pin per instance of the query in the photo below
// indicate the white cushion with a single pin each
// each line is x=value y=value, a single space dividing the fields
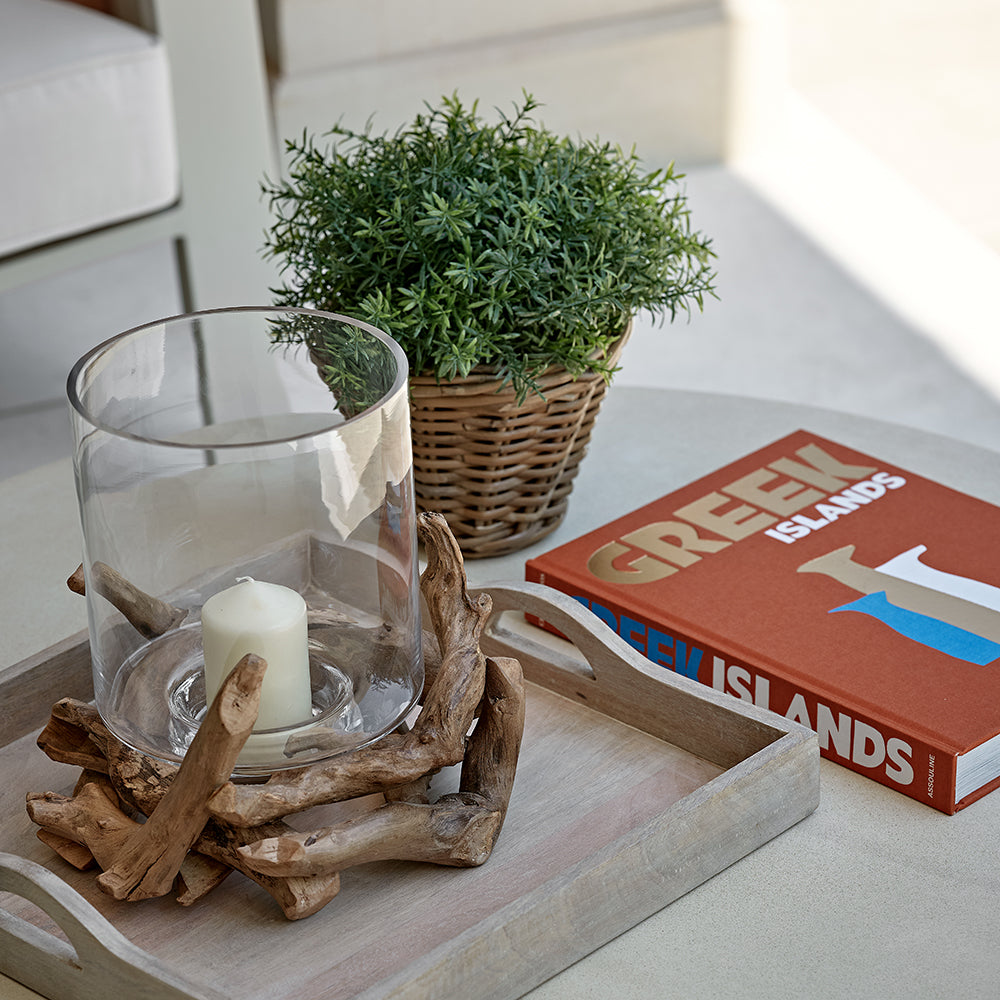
x=86 y=124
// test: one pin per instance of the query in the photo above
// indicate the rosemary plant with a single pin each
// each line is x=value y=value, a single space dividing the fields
x=472 y=243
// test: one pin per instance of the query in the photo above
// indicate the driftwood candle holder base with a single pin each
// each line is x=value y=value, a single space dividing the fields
x=153 y=827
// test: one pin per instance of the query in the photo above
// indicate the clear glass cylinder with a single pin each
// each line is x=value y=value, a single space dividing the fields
x=218 y=457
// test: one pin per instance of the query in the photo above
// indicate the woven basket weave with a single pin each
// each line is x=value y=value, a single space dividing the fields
x=501 y=472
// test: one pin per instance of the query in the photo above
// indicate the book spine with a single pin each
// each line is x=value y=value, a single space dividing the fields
x=856 y=739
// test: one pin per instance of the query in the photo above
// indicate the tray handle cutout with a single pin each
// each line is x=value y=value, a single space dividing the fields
x=597 y=667
x=591 y=650
x=98 y=963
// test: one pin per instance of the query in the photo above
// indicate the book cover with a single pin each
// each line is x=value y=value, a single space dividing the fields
x=828 y=586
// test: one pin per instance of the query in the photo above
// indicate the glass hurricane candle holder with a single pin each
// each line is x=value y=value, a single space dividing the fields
x=241 y=494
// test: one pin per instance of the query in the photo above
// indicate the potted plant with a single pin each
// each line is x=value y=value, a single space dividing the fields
x=507 y=261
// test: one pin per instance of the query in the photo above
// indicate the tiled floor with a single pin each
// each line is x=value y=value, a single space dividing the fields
x=859 y=251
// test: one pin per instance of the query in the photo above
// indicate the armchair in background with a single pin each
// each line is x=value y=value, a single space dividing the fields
x=116 y=134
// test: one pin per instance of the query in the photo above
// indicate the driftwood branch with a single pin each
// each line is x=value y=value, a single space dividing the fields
x=141 y=783
x=491 y=760
x=93 y=821
x=459 y=829
x=445 y=833
x=92 y=817
x=78 y=855
x=65 y=739
x=76 y=734
x=149 y=860
x=148 y=615
x=298 y=896
x=438 y=736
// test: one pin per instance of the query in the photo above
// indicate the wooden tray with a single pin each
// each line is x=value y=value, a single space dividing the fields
x=634 y=786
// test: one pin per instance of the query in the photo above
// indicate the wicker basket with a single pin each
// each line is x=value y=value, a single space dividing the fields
x=501 y=472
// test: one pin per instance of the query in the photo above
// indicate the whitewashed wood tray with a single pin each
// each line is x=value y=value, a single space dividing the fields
x=634 y=786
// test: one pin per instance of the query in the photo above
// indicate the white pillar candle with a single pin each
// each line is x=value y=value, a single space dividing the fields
x=270 y=621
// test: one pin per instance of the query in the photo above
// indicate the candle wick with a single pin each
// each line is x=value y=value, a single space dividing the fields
x=245 y=579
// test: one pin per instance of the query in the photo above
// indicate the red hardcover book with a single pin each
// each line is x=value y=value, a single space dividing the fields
x=828 y=586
